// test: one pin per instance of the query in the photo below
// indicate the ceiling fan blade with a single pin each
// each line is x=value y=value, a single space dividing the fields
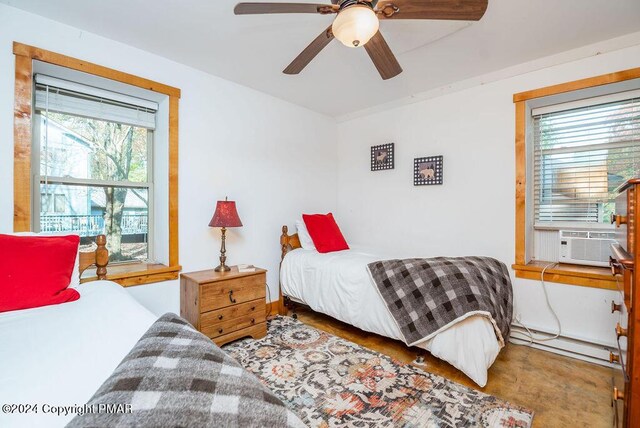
x=462 y=10
x=262 y=8
x=382 y=57
x=310 y=52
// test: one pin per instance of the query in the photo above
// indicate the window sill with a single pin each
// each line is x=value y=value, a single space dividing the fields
x=137 y=274
x=585 y=276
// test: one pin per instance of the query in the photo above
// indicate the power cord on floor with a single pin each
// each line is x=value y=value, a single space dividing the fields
x=270 y=301
x=530 y=334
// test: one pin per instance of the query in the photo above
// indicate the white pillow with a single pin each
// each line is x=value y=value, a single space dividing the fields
x=75 y=279
x=303 y=235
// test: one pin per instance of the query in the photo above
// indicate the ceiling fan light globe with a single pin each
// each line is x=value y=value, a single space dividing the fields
x=355 y=25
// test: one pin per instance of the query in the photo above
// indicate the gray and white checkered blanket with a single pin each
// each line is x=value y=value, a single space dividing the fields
x=176 y=377
x=427 y=296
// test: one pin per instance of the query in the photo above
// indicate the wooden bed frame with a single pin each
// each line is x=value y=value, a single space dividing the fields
x=287 y=243
x=98 y=258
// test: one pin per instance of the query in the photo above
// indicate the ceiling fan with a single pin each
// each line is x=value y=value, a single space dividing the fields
x=357 y=22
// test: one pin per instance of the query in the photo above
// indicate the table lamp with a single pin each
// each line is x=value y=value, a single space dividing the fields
x=225 y=216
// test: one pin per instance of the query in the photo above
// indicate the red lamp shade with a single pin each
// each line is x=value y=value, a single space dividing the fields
x=226 y=215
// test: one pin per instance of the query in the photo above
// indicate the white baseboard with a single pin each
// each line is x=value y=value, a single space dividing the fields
x=597 y=353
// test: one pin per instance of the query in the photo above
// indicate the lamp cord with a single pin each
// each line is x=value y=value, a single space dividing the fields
x=530 y=334
x=270 y=301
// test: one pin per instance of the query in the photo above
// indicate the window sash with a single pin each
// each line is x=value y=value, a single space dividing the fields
x=580 y=155
x=39 y=179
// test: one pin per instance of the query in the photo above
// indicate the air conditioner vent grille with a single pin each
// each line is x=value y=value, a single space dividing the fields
x=586 y=247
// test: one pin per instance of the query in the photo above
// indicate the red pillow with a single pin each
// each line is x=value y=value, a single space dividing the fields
x=324 y=232
x=36 y=271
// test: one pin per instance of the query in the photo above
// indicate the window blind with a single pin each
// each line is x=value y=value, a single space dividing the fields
x=63 y=96
x=581 y=155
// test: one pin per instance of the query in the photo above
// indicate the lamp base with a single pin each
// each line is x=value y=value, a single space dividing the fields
x=222 y=268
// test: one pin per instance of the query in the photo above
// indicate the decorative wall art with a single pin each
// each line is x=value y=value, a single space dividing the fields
x=427 y=171
x=382 y=157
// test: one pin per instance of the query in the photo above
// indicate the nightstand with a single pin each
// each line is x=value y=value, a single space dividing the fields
x=225 y=306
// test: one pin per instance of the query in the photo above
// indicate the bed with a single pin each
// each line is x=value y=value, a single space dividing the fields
x=65 y=352
x=61 y=354
x=338 y=284
x=86 y=353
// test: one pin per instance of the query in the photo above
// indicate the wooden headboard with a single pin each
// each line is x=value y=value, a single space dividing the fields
x=98 y=258
x=288 y=242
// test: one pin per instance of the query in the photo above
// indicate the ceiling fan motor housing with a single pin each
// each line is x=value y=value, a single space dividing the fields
x=346 y=3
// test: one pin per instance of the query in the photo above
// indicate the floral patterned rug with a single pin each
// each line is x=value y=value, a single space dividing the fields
x=331 y=382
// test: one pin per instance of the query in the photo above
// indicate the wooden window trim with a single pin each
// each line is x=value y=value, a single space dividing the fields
x=563 y=273
x=126 y=275
x=586 y=276
x=136 y=274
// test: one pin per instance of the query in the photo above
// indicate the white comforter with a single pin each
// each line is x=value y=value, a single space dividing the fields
x=338 y=284
x=60 y=355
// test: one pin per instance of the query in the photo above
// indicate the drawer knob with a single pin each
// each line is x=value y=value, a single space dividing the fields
x=616 y=307
x=220 y=317
x=618 y=219
x=231 y=299
x=617 y=394
x=616 y=268
x=253 y=308
x=220 y=330
x=253 y=320
x=620 y=331
x=614 y=358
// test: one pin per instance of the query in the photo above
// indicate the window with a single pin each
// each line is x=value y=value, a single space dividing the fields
x=576 y=142
x=72 y=163
x=582 y=152
x=92 y=156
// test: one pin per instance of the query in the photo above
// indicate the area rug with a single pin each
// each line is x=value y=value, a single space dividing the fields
x=331 y=382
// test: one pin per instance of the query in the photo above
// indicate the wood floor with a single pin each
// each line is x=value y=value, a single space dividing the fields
x=562 y=391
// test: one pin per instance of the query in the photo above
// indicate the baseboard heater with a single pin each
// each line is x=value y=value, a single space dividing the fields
x=568 y=346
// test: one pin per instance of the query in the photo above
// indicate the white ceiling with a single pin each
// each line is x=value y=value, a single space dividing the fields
x=253 y=50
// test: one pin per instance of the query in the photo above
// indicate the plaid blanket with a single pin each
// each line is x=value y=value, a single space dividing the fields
x=176 y=377
x=427 y=296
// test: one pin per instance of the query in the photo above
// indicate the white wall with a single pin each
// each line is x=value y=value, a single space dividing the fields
x=473 y=213
x=274 y=158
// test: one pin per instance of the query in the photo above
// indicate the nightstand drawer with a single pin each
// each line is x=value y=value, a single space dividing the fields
x=256 y=308
x=258 y=331
x=220 y=328
x=232 y=292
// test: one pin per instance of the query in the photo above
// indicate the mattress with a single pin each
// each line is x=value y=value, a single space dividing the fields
x=59 y=355
x=338 y=284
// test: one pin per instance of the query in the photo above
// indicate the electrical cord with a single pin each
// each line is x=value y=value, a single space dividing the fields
x=530 y=334
x=270 y=301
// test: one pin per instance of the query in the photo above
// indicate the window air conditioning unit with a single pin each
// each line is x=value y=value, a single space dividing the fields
x=586 y=248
